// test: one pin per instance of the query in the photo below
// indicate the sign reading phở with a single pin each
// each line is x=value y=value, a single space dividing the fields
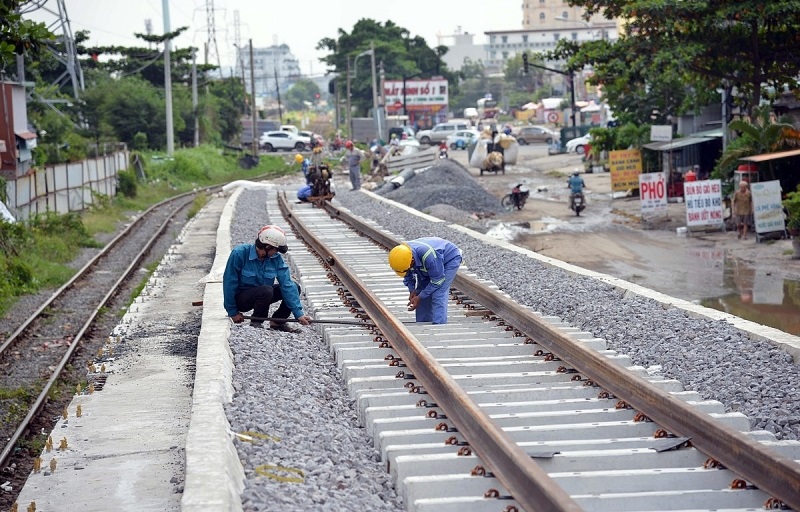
x=767 y=206
x=653 y=194
x=626 y=166
x=703 y=202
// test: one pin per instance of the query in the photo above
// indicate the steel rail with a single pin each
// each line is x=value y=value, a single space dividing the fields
x=43 y=395
x=528 y=483
x=83 y=270
x=769 y=470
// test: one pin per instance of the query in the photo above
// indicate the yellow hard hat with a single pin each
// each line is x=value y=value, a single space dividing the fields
x=298 y=158
x=400 y=259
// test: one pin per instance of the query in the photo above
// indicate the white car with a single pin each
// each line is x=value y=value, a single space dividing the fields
x=579 y=144
x=273 y=141
x=462 y=139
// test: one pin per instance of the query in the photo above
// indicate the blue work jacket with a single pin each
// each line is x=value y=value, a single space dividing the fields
x=244 y=270
x=431 y=255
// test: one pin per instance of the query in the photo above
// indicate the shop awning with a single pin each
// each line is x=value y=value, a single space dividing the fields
x=771 y=156
x=676 y=144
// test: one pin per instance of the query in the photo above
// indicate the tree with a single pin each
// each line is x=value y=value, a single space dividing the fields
x=706 y=46
x=403 y=57
x=19 y=36
x=760 y=134
x=302 y=91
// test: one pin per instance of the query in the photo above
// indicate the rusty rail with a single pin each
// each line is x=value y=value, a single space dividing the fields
x=751 y=460
x=530 y=486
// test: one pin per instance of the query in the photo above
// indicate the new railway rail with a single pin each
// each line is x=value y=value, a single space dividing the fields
x=679 y=425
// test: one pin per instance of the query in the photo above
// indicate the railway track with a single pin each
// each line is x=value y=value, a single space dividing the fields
x=505 y=409
x=40 y=351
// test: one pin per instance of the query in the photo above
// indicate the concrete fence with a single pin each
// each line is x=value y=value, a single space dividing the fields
x=64 y=188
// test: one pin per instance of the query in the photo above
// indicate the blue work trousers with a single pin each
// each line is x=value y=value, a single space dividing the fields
x=434 y=308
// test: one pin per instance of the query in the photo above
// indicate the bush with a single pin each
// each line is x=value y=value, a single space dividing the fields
x=126 y=183
x=139 y=142
x=792 y=205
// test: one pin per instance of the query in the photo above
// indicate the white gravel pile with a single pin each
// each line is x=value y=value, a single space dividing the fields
x=712 y=357
x=289 y=392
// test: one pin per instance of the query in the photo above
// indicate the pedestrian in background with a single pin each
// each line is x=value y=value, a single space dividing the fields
x=742 y=208
x=428 y=266
x=353 y=156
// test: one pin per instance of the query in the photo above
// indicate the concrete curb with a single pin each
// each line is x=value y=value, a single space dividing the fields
x=209 y=444
x=786 y=342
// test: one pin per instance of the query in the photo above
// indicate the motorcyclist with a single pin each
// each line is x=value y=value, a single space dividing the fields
x=518 y=193
x=443 y=149
x=575 y=184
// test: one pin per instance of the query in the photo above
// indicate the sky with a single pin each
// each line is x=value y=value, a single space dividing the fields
x=299 y=25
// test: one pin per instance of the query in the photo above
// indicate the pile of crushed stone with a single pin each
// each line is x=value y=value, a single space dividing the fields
x=444 y=183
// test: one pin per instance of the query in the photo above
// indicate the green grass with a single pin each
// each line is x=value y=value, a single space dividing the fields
x=35 y=253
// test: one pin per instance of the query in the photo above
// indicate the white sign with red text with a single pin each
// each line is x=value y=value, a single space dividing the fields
x=703 y=203
x=417 y=92
x=653 y=194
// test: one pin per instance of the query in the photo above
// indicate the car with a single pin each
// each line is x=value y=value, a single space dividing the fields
x=440 y=132
x=273 y=141
x=462 y=139
x=317 y=138
x=528 y=134
x=579 y=144
x=400 y=130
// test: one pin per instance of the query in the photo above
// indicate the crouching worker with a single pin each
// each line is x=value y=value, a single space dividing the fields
x=303 y=193
x=428 y=266
x=249 y=281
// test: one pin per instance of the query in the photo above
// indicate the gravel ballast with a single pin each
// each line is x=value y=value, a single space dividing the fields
x=711 y=357
x=289 y=390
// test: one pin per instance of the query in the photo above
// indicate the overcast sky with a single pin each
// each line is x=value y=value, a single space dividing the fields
x=299 y=24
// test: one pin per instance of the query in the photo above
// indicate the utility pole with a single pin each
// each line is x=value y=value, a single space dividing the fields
x=278 y=92
x=349 y=115
x=382 y=103
x=375 y=113
x=253 y=109
x=194 y=99
x=168 y=80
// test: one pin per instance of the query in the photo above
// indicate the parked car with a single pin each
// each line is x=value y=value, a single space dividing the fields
x=400 y=130
x=440 y=132
x=317 y=138
x=578 y=145
x=529 y=134
x=273 y=141
x=462 y=139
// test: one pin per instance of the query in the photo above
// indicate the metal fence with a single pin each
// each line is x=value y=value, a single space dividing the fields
x=64 y=188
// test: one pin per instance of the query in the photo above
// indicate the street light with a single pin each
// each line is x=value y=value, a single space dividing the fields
x=375 y=113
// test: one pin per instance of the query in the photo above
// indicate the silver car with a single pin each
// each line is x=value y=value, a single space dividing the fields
x=273 y=141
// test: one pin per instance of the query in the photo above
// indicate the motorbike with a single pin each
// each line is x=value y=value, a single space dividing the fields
x=577 y=203
x=517 y=197
x=443 y=152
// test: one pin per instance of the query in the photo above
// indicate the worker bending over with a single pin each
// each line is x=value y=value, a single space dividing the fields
x=428 y=266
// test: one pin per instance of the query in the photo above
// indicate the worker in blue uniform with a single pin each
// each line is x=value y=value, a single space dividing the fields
x=428 y=266
x=249 y=282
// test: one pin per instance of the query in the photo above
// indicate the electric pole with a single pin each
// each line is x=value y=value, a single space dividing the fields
x=168 y=80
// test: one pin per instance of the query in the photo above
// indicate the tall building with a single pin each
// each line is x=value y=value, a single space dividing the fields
x=275 y=69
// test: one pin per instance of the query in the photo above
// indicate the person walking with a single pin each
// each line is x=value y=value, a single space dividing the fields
x=428 y=266
x=742 y=208
x=353 y=156
x=249 y=282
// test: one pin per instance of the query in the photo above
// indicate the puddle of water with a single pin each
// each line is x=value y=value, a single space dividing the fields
x=509 y=231
x=755 y=295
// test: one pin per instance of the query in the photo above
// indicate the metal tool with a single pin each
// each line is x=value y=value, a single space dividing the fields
x=313 y=321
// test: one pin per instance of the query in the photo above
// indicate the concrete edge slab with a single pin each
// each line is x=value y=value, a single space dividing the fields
x=214 y=477
x=785 y=341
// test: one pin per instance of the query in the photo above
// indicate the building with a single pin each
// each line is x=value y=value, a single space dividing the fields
x=17 y=140
x=275 y=69
x=460 y=47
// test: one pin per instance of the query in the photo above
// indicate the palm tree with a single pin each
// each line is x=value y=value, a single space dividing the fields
x=759 y=134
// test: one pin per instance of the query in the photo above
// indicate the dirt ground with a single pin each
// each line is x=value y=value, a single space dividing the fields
x=610 y=237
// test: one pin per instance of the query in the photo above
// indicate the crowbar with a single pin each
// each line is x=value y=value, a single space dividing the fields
x=313 y=321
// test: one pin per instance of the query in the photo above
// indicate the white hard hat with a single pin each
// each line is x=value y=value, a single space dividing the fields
x=273 y=236
x=576 y=172
x=523 y=188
